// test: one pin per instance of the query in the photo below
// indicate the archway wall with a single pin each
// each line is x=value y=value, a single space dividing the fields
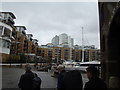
x=114 y=43
x=109 y=39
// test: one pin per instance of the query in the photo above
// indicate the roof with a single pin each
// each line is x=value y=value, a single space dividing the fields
x=22 y=27
x=11 y=14
x=30 y=35
x=35 y=40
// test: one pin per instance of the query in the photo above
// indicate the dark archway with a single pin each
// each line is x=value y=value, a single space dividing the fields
x=114 y=43
x=114 y=47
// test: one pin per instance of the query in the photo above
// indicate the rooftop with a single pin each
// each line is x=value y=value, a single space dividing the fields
x=13 y=16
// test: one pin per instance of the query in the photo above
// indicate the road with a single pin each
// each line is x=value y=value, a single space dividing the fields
x=11 y=76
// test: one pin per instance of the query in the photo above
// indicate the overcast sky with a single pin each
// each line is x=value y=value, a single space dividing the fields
x=46 y=19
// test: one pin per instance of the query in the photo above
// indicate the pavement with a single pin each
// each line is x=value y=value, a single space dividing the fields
x=10 y=78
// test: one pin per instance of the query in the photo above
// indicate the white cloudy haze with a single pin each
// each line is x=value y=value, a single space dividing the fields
x=46 y=19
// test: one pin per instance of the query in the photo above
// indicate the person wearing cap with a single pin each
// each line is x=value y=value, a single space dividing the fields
x=94 y=81
x=26 y=79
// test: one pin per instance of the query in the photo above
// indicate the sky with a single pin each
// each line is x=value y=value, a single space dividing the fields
x=46 y=19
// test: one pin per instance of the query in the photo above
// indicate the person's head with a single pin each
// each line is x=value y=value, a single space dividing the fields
x=27 y=67
x=92 y=71
x=60 y=68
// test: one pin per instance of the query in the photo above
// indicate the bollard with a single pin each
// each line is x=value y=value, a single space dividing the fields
x=114 y=82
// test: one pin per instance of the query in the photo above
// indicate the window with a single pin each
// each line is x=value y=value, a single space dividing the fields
x=6 y=44
x=7 y=32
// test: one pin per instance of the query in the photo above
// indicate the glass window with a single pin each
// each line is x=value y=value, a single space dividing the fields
x=7 y=32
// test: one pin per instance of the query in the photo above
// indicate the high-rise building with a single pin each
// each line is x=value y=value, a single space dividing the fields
x=70 y=41
x=63 y=40
x=55 y=41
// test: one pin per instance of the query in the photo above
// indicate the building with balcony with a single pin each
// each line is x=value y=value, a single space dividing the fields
x=14 y=41
x=76 y=54
x=35 y=45
x=6 y=32
x=21 y=40
x=63 y=53
x=56 y=55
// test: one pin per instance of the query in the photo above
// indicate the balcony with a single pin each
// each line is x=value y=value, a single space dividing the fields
x=6 y=30
x=7 y=17
x=10 y=21
x=23 y=32
x=4 y=46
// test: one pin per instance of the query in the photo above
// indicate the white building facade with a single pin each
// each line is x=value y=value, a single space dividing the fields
x=6 y=28
x=63 y=40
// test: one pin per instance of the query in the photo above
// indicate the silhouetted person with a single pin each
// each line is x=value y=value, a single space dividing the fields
x=26 y=80
x=61 y=70
x=94 y=81
x=73 y=79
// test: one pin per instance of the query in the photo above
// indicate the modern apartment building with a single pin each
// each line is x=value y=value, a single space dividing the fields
x=57 y=54
x=43 y=52
x=76 y=54
x=6 y=34
x=14 y=41
x=32 y=45
x=62 y=53
x=21 y=40
x=35 y=46
x=29 y=44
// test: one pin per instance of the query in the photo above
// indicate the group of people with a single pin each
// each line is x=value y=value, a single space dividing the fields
x=66 y=80
x=73 y=79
